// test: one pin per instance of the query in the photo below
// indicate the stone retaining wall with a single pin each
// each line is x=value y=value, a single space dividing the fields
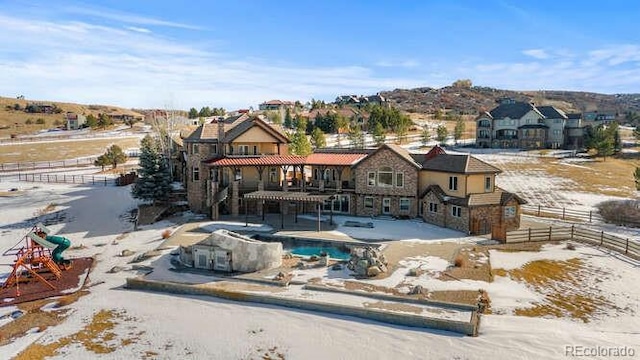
x=467 y=328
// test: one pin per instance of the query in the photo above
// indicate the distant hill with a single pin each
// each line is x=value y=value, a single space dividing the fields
x=14 y=121
x=472 y=100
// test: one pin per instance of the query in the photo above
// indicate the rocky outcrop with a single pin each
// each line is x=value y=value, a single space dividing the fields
x=367 y=261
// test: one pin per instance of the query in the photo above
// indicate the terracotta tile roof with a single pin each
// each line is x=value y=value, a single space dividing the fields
x=268 y=160
x=461 y=164
x=334 y=159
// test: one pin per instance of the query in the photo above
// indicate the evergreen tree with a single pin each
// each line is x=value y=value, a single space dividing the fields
x=205 y=112
x=459 y=129
x=636 y=175
x=300 y=145
x=425 y=136
x=115 y=156
x=441 y=133
x=401 y=128
x=91 y=122
x=288 y=120
x=318 y=139
x=101 y=161
x=193 y=113
x=104 y=120
x=603 y=142
x=379 y=135
x=154 y=182
x=356 y=137
x=636 y=132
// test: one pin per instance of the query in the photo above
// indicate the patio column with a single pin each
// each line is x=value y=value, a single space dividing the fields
x=285 y=185
x=319 y=206
x=260 y=204
x=339 y=182
x=235 y=185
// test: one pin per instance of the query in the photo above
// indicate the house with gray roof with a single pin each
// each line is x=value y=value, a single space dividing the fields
x=514 y=124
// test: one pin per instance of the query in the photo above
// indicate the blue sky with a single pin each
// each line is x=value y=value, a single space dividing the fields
x=235 y=54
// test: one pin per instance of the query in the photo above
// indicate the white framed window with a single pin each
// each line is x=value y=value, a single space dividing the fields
x=326 y=174
x=196 y=174
x=372 y=179
x=243 y=149
x=456 y=211
x=238 y=174
x=195 y=149
x=405 y=204
x=487 y=183
x=385 y=176
x=215 y=148
x=255 y=150
x=453 y=183
x=368 y=202
x=273 y=175
x=399 y=179
x=433 y=207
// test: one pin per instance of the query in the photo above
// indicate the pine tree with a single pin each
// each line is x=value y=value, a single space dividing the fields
x=317 y=138
x=603 y=142
x=193 y=113
x=154 y=182
x=356 y=137
x=442 y=133
x=379 y=135
x=425 y=136
x=300 y=145
x=114 y=156
x=288 y=120
x=459 y=129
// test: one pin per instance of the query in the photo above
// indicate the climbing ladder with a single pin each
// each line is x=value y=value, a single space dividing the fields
x=33 y=256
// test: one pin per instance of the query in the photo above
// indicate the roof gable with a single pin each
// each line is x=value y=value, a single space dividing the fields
x=244 y=126
x=551 y=112
x=398 y=150
x=514 y=110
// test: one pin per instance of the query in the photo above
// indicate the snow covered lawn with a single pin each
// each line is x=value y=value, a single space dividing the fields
x=122 y=323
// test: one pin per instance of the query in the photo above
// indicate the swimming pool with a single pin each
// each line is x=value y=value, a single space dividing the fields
x=307 y=247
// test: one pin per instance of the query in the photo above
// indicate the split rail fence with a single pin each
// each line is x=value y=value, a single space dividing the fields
x=68 y=179
x=619 y=244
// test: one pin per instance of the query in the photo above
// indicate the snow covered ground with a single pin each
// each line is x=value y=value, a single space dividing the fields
x=173 y=326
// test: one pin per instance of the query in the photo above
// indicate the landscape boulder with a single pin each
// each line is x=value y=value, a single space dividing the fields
x=367 y=261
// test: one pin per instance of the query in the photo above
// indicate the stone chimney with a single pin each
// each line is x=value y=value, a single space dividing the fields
x=221 y=135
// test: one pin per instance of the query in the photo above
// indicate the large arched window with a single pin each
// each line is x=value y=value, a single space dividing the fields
x=385 y=176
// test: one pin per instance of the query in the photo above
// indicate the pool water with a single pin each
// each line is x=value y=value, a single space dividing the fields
x=316 y=250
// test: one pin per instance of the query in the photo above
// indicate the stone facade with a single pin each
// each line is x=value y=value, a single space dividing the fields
x=428 y=214
x=386 y=158
x=197 y=191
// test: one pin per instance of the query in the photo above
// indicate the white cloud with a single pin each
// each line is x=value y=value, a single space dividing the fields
x=138 y=29
x=537 y=53
x=126 y=18
x=408 y=63
x=81 y=62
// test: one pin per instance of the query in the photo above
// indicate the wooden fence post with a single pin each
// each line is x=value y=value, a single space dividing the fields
x=563 y=210
x=589 y=215
x=626 y=249
x=572 y=229
x=601 y=237
x=529 y=234
x=538 y=212
x=550 y=230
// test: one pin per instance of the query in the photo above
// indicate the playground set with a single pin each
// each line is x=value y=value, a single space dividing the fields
x=39 y=270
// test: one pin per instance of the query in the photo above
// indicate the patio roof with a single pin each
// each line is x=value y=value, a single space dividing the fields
x=287 y=196
x=267 y=160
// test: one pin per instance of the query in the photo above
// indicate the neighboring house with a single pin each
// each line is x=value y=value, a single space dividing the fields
x=595 y=118
x=460 y=192
x=277 y=105
x=556 y=122
x=75 y=121
x=522 y=125
x=359 y=101
x=574 y=132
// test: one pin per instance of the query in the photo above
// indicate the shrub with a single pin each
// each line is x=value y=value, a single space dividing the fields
x=570 y=246
x=621 y=212
x=459 y=261
x=40 y=121
x=166 y=234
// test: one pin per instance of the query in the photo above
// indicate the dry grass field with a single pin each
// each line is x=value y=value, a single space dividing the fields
x=61 y=150
x=14 y=121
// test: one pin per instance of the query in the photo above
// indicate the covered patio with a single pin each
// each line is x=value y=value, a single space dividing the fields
x=285 y=197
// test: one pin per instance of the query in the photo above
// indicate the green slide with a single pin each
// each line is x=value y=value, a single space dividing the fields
x=62 y=244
